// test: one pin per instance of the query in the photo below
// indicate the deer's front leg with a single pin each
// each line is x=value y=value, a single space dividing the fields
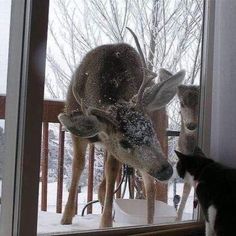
x=102 y=187
x=102 y=191
x=150 y=195
x=186 y=192
x=112 y=167
x=79 y=149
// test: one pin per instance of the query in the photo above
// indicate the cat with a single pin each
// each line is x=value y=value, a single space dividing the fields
x=215 y=186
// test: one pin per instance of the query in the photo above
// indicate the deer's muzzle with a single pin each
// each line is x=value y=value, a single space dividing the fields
x=163 y=174
x=155 y=163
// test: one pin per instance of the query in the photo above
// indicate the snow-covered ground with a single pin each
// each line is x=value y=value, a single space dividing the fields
x=189 y=205
x=82 y=199
x=49 y=222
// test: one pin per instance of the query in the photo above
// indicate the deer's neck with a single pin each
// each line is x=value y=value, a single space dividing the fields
x=187 y=140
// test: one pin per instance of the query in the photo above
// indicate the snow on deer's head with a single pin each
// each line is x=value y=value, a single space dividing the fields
x=189 y=102
x=126 y=129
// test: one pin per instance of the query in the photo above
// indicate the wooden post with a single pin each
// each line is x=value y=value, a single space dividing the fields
x=60 y=170
x=131 y=186
x=44 y=167
x=160 y=122
x=2 y=106
x=90 y=177
x=76 y=202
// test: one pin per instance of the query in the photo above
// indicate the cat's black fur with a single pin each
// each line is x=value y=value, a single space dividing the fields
x=215 y=185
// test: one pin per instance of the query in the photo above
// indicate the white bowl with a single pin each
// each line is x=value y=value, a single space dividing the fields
x=134 y=211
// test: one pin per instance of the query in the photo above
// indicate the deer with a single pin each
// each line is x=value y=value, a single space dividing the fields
x=109 y=100
x=188 y=96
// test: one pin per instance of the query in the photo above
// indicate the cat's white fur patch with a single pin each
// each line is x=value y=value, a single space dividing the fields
x=188 y=178
x=209 y=231
x=211 y=217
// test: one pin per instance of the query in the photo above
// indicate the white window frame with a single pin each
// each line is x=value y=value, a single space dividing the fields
x=218 y=110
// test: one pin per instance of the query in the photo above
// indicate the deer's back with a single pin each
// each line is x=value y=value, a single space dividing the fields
x=107 y=74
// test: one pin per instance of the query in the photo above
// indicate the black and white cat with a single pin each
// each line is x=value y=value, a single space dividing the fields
x=215 y=186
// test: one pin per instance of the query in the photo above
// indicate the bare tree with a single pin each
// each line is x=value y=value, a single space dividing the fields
x=169 y=32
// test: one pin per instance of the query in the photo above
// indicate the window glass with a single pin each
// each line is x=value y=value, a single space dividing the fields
x=5 y=10
x=170 y=36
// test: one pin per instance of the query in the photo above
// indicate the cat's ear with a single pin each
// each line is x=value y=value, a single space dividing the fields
x=198 y=152
x=180 y=155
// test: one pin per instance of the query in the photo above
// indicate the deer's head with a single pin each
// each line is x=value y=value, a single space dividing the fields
x=126 y=129
x=189 y=103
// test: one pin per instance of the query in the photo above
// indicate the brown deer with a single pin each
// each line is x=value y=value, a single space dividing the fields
x=109 y=100
x=189 y=103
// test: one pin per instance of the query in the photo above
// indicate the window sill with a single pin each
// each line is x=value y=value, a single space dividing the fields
x=183 y=229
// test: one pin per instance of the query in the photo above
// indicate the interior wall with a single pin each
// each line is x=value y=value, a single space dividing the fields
x=223 y=125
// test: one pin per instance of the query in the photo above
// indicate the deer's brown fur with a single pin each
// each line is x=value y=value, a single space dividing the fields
x=102 y=106
x=189 y=105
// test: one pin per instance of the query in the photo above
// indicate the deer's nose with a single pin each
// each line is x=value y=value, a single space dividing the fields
x=191 y=126
x=164 y=173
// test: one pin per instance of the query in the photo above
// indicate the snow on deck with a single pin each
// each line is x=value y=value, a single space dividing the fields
x=49 y=222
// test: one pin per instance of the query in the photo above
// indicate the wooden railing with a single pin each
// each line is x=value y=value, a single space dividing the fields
x=2 y=106
x=51 y=109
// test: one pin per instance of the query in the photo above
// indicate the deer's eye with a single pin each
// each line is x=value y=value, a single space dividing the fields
x=125 y=144
x=181 y=104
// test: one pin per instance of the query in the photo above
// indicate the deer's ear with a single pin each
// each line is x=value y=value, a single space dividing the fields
x=160 y=94
x=80 y=125
x=164 y=74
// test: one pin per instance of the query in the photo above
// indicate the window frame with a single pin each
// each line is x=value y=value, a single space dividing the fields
x=28 y=33
x=25 y=90
x=186 y=228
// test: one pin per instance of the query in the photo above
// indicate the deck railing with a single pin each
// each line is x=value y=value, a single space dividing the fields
x=51 y=110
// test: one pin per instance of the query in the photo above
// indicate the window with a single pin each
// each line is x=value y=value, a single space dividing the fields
x=5 y=27
x=25 y=97
x=21 y=166
x=170 y=34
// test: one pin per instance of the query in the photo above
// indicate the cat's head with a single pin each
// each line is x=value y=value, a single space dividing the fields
x=189 y=167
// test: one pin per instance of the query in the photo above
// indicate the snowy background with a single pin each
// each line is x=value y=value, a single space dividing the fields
x=5 y=7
